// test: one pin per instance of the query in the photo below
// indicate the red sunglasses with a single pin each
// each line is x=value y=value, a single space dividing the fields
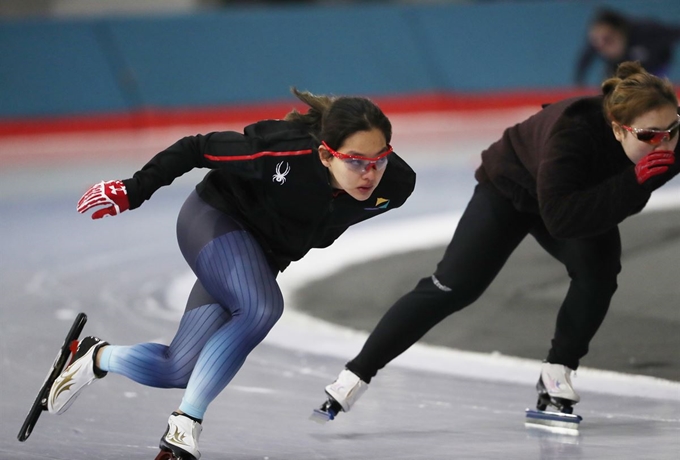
x=359 y=163
x=655 y=136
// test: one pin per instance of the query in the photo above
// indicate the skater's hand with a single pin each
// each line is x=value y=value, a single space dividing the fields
x=111 y=194
x=653 y=164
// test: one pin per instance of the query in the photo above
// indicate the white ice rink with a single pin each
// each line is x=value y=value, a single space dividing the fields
x=128 y=276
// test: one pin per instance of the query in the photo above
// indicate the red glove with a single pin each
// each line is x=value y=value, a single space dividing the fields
x=653 y=164
x=110 y=194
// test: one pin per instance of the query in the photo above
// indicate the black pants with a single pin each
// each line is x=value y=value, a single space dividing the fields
x=488 y=232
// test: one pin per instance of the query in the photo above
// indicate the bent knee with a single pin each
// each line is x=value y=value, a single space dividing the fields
x=174 y=375
x=596 y=270
x=258 y=320
x=448 y=295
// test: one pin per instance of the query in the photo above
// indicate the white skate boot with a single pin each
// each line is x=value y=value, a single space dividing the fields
x=79 y=374
x=555 y=389
x=556 y=398
x=347 y=389
x=180 y=440
x=342 y=393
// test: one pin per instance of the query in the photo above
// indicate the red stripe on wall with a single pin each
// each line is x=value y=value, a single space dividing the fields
x=201 y=116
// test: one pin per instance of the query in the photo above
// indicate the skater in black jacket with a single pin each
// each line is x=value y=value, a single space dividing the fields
x=272 y=193
x=615 y=38
x=568 y=175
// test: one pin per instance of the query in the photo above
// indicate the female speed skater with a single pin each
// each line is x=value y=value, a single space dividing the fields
x=568 y=176
x=272 y=194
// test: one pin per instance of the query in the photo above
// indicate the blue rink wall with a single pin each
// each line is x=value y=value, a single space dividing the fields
x=240 y=56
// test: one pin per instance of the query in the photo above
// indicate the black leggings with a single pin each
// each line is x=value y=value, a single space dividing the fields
x=488 y=232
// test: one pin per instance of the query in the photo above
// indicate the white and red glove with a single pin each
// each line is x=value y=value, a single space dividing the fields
x=110 y=194
x=653 y=164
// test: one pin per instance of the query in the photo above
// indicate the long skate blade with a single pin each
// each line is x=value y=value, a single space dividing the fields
x=556 y=422
x=60 y=362
x=327 y=412
x=321 y=416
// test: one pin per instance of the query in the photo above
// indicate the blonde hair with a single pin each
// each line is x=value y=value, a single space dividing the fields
x=633 y=91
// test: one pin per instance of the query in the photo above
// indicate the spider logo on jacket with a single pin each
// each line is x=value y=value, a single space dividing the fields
x=280 y=177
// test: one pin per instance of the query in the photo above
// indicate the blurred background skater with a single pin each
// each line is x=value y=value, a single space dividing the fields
x=614 y=38
x=273 y=193
x=568 y=175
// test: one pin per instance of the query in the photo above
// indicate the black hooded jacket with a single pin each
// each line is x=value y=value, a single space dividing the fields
x=565 y=164
x=271 y=180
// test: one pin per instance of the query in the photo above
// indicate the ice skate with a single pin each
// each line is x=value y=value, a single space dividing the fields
x=342 y=394
x=555 y=389
x=180 y=441
x=79 y=374
x=556 y=398
x=68 y=349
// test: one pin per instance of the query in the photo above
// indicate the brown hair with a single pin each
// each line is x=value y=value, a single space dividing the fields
x=633 y=91
x=334 y=119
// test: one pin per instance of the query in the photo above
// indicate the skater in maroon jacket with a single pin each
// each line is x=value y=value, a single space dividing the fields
x=568 y=175
x=272 y=194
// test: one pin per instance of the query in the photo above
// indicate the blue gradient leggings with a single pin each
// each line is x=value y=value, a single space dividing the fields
x=233 y=305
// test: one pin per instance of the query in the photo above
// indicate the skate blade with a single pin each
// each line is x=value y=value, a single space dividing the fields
x=555 y=422
x=321 y=416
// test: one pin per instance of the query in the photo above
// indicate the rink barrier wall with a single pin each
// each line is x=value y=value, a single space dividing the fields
x=149 y=118
x=136 y=71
